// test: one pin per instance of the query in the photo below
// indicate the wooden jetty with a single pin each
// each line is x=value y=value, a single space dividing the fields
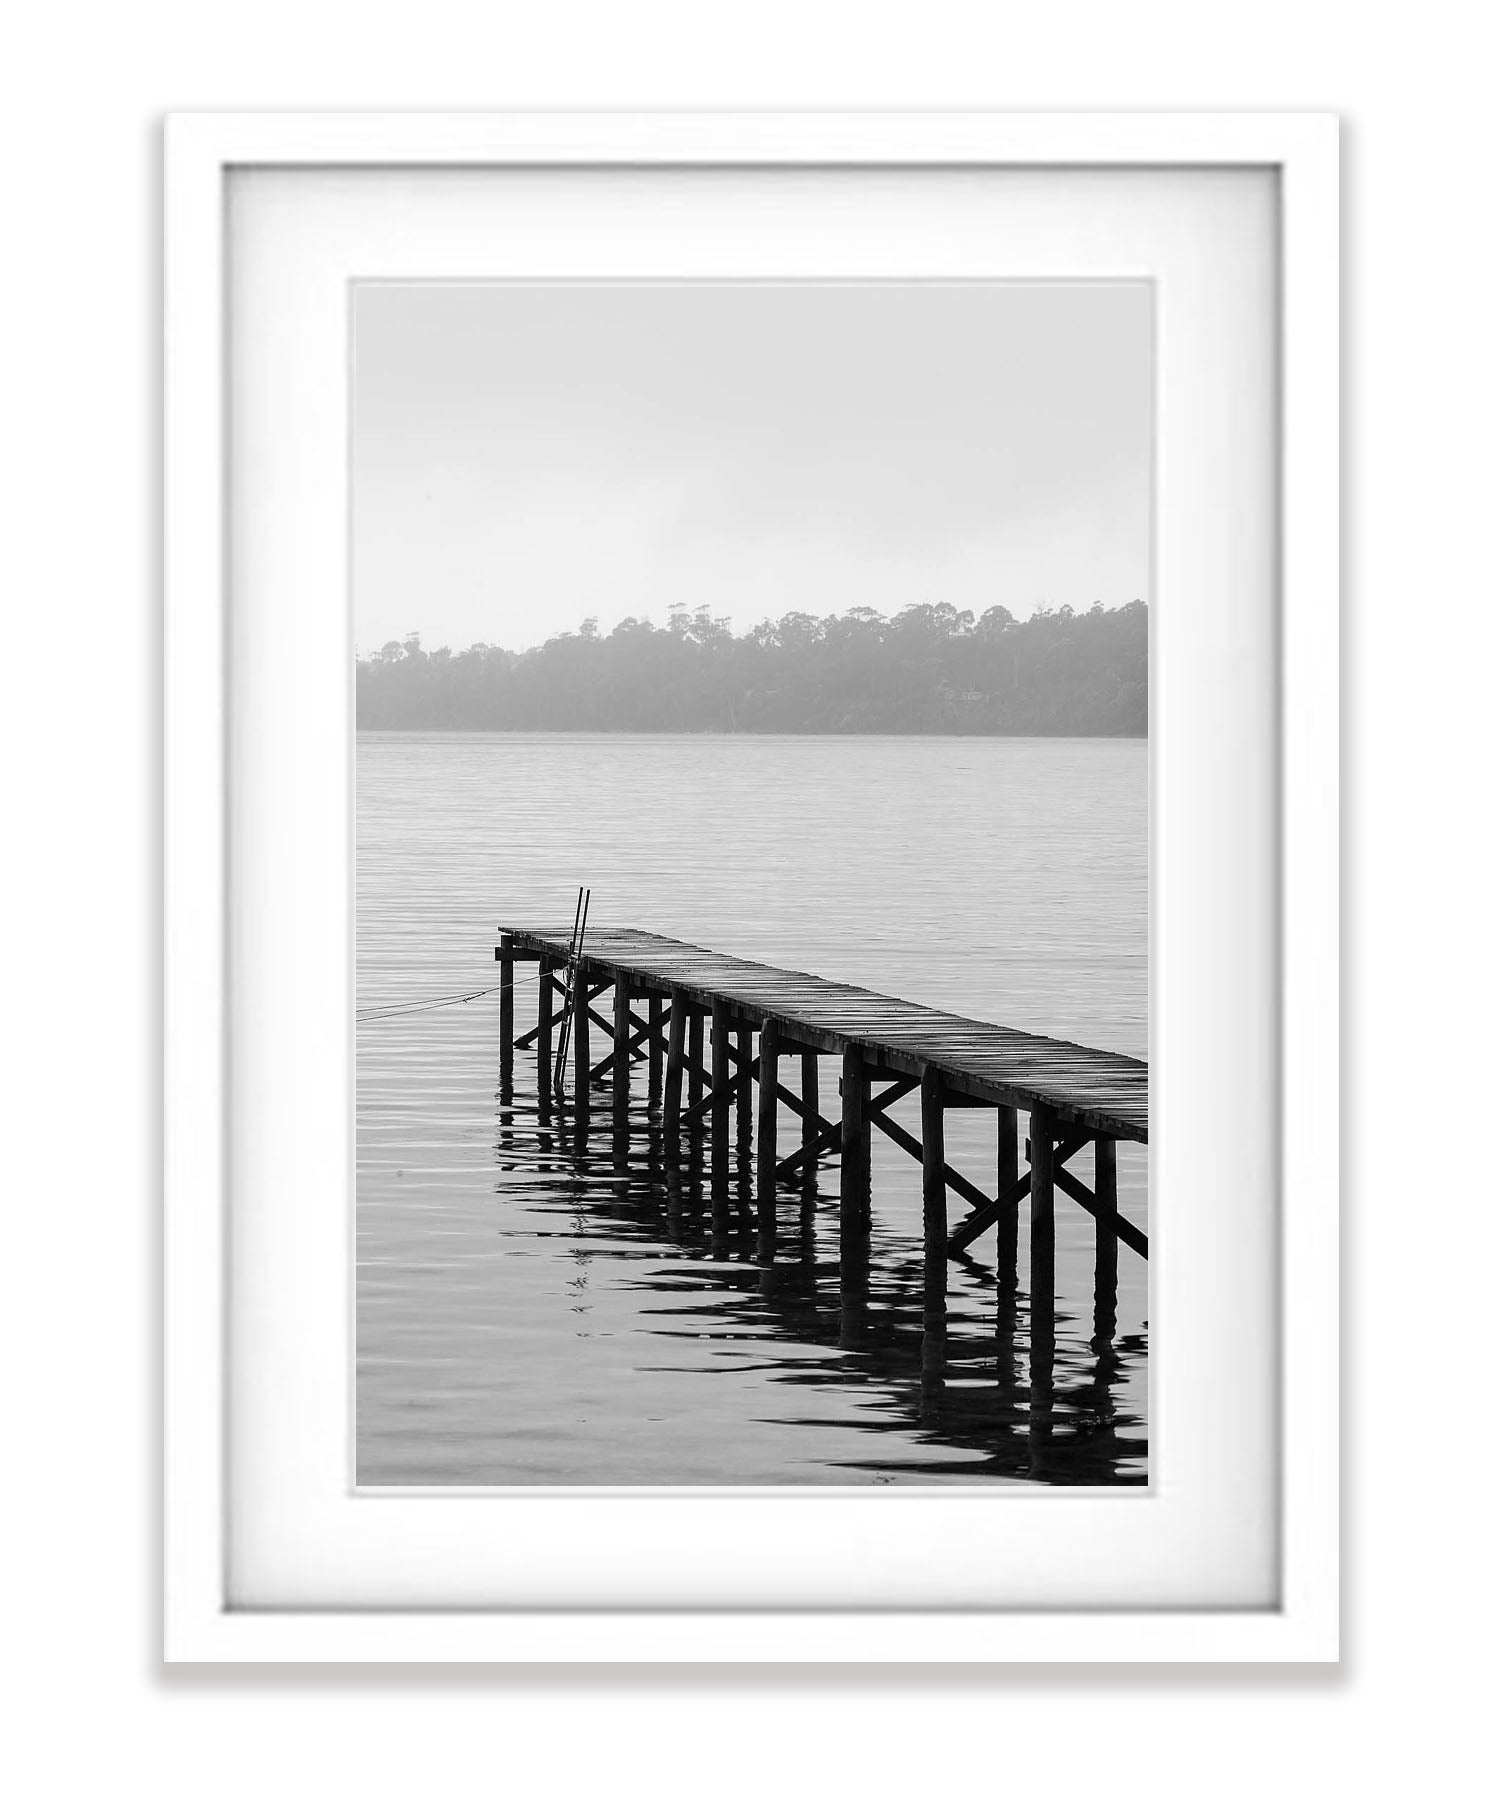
x=664 y=994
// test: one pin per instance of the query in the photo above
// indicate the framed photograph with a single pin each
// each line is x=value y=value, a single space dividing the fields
x=752 y=822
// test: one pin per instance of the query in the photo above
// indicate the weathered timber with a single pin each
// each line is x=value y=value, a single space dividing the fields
x=507 y=962
x=527 y=1039
x=960 y=1184
x=1097 y=1089
x=1043 y=1220
x=1007 y=1174
x=695 y=1056
x=719 y=1095
x=832 y=1131
x=543 y=1035
x=1129 y=1235
x=581 y=1015
x=765 y=1143
x=700 y=1109
x=1106 y=1223
x=854 y=1147
x=654 y=1008
x=980 y=1220
x=811 y=1107
x=620 y=1073
x=744 y=1110
x=672 y=1104
x=935 y=1184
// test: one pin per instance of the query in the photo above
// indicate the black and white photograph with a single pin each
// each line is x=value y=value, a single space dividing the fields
x=751 y=845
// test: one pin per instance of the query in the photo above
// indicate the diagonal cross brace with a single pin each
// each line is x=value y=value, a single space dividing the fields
x=980 y=1220
x=830 y=1135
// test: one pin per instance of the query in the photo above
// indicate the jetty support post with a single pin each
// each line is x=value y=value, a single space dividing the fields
x=744 y=1109
x=654 y=1038
x=810 y=1115
x=695 y=1056
x=671 y=1122
x=580 y=1039
x=934 y=1235
x=765 y=1142
x=544 y=1037
x=1106 y=1243
x=620 y=1069
x=507 y=962
x=1043 y=1258
x=1007 y=1226
x=854 y=1145
x=720 y=1100
x=854 y=1199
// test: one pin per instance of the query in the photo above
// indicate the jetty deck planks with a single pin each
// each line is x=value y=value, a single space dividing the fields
x=1096 y=1089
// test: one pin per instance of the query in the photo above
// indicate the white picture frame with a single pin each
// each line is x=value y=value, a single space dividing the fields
x=203 y=1622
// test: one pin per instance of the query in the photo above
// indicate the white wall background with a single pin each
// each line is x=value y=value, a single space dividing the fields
x=88 y=1709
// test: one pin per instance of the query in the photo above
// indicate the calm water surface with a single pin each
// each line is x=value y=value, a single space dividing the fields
x=537 y=1303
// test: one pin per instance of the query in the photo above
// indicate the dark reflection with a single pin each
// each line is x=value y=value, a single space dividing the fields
x=1007 y=1380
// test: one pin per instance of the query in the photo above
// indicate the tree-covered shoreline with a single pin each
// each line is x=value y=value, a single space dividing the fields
x=930 y=669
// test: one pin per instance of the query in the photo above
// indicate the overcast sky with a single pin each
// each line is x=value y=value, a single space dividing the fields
x=528 y=456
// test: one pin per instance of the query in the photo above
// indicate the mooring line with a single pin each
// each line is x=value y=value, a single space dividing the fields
x=391 y=1011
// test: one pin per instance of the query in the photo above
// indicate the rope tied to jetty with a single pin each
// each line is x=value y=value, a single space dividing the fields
x=394 y=1009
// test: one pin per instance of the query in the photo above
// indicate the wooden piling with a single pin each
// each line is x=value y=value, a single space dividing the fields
x=1106 y=1242
x=655 y=1049
x=854 y=1146
x=719 y=1118
x=672 y=1103
x=544 y=1036
x=765 y=1141
x=620 y=1070
x=1007 y=1175
x=745 y=1099
x=1043 y=1262
x=580 y=1040
x=934 y=1228
x=695 y=1057
x=507 y=1009
x=810 y=1114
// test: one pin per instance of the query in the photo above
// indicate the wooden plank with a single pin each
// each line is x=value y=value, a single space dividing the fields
x=991 y=1064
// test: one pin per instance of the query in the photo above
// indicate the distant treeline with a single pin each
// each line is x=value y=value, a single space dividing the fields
x=928 y=669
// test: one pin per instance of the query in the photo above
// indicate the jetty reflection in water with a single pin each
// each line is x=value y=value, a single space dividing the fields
x=1007 y=1390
